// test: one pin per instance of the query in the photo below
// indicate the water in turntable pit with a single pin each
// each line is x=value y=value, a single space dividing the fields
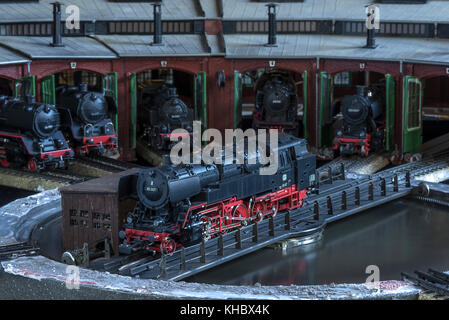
x=405 y=235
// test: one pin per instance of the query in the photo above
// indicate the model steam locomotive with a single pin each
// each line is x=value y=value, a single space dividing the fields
x=363 y=125
x=85 y=119
x=181 y=205
x=30 y=135
x=276 y=102
x=163 y=112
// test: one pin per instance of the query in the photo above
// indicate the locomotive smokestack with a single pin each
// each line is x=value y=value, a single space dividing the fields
x=361 y=90
x=271 y=25
x=83 y=87
x=157 y=17
x=56 y=27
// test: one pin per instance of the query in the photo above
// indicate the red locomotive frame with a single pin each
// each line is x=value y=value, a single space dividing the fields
x=226 y=215
x=357 y=142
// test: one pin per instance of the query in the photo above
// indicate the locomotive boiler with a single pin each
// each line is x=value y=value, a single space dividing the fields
x=362 y=129
x=163 y=112
x=276 y=102
x=180 y=205
x=30 y=135
x=85 y=119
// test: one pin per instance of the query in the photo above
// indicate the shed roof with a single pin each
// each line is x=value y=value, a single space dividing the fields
x=74 y=47
x=10 y=57
x=108 y=184
x=140 y=45
x=98 y=10
x=342 y=47
x=432 y=11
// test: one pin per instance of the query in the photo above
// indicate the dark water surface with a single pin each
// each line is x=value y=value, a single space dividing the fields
x=401 y=236
x=10 y=194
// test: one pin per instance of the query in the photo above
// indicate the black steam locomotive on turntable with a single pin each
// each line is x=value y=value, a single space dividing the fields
x=163 y=112
x=30 y=135
x=276 y=102
x=85 y=119
x=363 y=127
x=179 y=205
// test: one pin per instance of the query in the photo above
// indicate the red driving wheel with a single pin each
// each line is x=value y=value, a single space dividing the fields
x=32 y=165
x=168 y=246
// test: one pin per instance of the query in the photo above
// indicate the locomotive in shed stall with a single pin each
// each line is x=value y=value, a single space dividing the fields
x=162 y=113
x=85 y=119
x=363 y=125
x=30 y=135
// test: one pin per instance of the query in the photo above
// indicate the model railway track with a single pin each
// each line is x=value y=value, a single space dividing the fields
x=16 y=250
x=34 y=181
x=345 y=198
x=112 y=163
x=433 y=280
x=97 y=166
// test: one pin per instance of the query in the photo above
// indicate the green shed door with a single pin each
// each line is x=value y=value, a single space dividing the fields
x=304 y=99
x=390 y=96
x=200 y=99
x=413 y=92
x=238 y=85
x=109 y=86
x=25 y=86
x=133 y=110
x=326 y=92
x=48 y=94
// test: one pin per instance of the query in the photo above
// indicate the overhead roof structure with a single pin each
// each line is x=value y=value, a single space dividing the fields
x=249 y=45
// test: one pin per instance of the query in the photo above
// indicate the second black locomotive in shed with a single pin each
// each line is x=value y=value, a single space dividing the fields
x=276 y=102
x=179 y=205
x=363 y=124
x=86 y=119
x=163 y=112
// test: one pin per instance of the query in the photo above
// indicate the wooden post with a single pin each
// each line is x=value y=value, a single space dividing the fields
x=220 y=245
x=407 y=179
x=287 y=220
x=202 y=252
x=182 y=265
x=342 y=171
x=343 y=201
x=395 y=183
x=329 y=206
x=255 y=232
x=163 y=264
x=316 y=210
x=371 y=191
x=271 y=226
x=238 y=239
x=383 y=187
x=357 y=196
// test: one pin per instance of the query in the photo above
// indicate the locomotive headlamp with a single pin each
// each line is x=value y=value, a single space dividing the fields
x=109 y=128
x=129 y=219
x=339 y=133
x=122 y=234
x=88 y=130
x=370 y=93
